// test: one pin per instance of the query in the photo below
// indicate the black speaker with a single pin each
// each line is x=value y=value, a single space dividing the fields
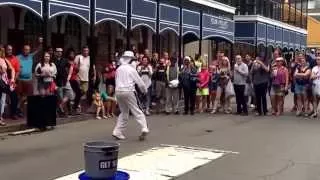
x=41 y=111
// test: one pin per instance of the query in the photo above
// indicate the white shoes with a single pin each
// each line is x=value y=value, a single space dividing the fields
x=119 y=136
x=143 y=136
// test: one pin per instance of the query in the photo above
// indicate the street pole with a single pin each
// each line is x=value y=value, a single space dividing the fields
x=129 y=25
x=45 y=7
x=158 y=28
x=180 y=32
x=92 y=32
x=201 y=29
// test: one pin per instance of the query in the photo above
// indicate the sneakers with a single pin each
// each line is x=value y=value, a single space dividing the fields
x=298 y=113
x=119 y=136
x=2 y=123
x=143 y=136
x=314 y=115
x=98 y=117
x=147 y=113
x=214 y=111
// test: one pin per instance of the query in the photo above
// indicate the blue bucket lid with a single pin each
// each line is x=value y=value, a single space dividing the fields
x=120 y=175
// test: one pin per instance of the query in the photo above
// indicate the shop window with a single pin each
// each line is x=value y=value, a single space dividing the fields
x=72 y=33
x=32 y=28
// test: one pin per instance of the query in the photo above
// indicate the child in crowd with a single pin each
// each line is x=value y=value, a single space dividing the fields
x=213 y=86
x=109 y=100
x=98 y=102
x=203 y=87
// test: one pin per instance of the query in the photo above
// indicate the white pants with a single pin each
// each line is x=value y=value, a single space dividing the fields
x=127 y=102
x=172 y=99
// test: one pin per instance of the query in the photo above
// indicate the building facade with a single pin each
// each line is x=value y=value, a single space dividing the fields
x=110 y=26
x=268 y=24
x=181 y=27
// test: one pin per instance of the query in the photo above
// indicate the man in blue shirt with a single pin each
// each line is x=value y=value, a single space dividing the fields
x=25 y=83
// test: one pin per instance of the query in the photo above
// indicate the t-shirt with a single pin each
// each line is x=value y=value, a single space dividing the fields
x=47 y=72
x=213 y=84
x=84 y=67
x=145 y=73
x=62 y=66
x=316 y=72
x=240 y=78
x=26 y=63
x=15 y=63
x=259 y=75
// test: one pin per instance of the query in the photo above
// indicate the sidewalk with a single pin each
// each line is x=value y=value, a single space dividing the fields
x=21 y=124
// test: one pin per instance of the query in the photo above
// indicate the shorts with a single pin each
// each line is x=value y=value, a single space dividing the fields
x=64 y=92
x=277 y=91
x=316 y=90
x=110 y=82
x=25 y=88
x=84 y=86
x=203 y=92
x=300 y=89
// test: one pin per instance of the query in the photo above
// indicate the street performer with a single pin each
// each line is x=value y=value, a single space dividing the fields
x=127 y=78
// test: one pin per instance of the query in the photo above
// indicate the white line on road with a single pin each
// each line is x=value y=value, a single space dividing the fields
x=163 y=163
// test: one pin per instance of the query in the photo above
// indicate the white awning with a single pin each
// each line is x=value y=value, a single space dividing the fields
x=216 y=5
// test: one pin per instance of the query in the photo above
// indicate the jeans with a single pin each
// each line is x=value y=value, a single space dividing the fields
x=14 y=102
x=146 y=101
x=240 y=98
x=189 y=99
x=261 y=97
x=172 y=99
x=78 y=94
x=2 y=103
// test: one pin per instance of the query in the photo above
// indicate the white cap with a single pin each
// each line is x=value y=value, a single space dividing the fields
x=187 y=58
x=128 y=54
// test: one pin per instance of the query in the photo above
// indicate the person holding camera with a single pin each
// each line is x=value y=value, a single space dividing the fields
x=172 y=90
x=260 y=78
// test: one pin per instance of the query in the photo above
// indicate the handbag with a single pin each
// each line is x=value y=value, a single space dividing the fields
x=174 y=83
x=4 y=87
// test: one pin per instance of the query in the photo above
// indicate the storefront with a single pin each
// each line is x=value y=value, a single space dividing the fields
x=110 y=26
x=257 y=35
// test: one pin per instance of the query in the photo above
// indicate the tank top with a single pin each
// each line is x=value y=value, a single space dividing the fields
x=160 y=74
x=279 y=76
x=302 y=81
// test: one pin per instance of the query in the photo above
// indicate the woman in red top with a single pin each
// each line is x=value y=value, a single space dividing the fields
x=203 y=87
x=74 y=80
x=109 y=74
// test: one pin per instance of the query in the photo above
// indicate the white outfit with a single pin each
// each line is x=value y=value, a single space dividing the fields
x=84 y=67
x=126 y=79
x=316 y=82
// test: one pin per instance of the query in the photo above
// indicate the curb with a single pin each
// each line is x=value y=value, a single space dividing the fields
x=23 y=126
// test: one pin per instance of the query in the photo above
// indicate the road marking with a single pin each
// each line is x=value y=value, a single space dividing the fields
x=164 y=162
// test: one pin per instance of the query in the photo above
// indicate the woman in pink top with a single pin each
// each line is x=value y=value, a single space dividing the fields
x=279 y=86
x=5 y=67
x=203 y=87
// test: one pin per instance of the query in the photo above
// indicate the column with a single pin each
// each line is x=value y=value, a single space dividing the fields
x=180 y=35
x=128 y=24
x=93 y=48
x=45 y=7
x=201 y=29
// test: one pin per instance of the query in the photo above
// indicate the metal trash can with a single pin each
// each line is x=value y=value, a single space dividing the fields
x=101 y=159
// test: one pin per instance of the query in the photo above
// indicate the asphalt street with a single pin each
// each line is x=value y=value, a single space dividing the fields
x=270 y=148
